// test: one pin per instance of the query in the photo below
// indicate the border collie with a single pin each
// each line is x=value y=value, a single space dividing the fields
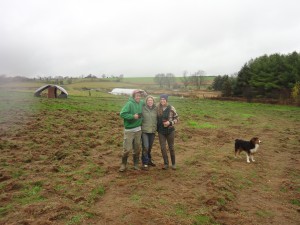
x=250 y=147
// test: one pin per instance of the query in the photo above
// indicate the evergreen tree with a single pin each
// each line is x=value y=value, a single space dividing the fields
x=271 y=76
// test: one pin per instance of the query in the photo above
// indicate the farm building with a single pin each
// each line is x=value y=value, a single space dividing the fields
x=125 y=91
x=52 y=91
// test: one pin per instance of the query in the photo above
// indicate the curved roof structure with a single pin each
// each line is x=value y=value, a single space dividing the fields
x=125 y=91
x=38 y=91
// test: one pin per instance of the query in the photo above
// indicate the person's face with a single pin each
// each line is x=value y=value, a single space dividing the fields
x=163 y=101
x=137 y=97
x=150 y=102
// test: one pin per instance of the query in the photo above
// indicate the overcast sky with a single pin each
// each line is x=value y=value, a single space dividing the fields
x=142 y=37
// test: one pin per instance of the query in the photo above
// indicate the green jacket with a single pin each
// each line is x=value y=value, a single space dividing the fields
x=149 y=119
x=128 y=111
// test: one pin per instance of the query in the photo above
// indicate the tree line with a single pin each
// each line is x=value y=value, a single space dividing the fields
x=168 y=80
x=276 y=76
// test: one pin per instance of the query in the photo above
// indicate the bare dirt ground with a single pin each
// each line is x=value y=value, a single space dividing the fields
x=61 y=167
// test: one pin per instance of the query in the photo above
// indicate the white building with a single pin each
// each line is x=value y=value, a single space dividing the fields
x=124 y=91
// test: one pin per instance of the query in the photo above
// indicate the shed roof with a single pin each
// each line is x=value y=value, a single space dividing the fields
x=39 y=90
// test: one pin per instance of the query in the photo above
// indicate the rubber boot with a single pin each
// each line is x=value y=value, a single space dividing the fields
x=136 y=162
x=124 y=163
x=173 y=162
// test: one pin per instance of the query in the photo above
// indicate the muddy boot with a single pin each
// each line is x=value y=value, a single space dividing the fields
x=136 y=162
x=151 y=163
x=145 y=167
x=124 y=163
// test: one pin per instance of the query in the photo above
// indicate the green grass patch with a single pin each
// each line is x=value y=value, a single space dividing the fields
x=17 y=173
x=202 y=220
x=194 y=124
x=135 y=198
x=180 y=210
x=295 y=202
x=96 y=194
x=77 y=219
x=5 y=209
x=264 y=213
x=246 y=116
x=222 y=201
x=163 y=201
x=191 y=161
x=30 y=195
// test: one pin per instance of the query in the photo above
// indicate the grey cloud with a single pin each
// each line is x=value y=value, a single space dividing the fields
x=142 y=37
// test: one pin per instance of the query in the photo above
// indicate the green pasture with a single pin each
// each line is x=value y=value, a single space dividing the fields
x=197 y=113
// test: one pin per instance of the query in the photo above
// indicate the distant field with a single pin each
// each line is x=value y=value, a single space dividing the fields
x=98 y=87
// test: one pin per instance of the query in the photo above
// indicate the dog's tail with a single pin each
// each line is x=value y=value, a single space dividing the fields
x=236 y=145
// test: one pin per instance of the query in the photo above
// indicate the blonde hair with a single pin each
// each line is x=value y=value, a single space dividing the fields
x=149 y=96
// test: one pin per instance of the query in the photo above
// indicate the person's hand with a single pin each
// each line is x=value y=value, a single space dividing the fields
x=166 y=123
x=136 y=116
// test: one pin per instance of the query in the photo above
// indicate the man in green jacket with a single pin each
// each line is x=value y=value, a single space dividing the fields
x=132 y=115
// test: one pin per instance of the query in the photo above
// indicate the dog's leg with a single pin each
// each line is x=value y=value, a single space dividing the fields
x=248 y=161
x=252 y=158
x=238 y=154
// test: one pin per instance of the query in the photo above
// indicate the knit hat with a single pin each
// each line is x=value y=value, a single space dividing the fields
x=165 y=96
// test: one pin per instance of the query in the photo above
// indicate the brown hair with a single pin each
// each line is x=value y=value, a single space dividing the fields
x=160 y=109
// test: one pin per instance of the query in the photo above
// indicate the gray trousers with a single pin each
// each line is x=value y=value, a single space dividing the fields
x=132 y=142
x=163 y=140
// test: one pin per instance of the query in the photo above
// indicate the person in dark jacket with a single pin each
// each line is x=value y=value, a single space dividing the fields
x=132 y=116
x=149 y=127
x=167 y=117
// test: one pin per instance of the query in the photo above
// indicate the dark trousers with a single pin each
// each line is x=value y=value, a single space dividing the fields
x=147 y=141
x=163 y=140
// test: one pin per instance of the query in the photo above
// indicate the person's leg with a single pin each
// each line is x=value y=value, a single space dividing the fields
x=136 y=148
x=145 y=144
x=170 y=140
x=151 y=141
x=162 y=142
x=127 y=147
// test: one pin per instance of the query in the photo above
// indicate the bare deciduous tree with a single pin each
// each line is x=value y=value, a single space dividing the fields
x=159 y=79
x=197 y=78
x=185 y=79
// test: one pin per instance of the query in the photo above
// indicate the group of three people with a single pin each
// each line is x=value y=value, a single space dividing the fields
x=141 y=122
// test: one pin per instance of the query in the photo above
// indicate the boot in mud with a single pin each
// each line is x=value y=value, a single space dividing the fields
x=124 y=163
x=136 y=162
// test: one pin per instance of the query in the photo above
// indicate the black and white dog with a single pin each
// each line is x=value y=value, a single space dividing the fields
x=250 y=147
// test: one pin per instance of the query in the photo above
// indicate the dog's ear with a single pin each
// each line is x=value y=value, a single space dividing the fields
x=254 y=140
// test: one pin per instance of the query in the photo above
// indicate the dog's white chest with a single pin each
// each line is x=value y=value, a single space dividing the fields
x=254 y=149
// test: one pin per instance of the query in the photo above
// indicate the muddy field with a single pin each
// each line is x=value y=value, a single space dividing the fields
x=59 y=165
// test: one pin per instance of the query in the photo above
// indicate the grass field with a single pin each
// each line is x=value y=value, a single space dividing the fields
x=60 y=157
